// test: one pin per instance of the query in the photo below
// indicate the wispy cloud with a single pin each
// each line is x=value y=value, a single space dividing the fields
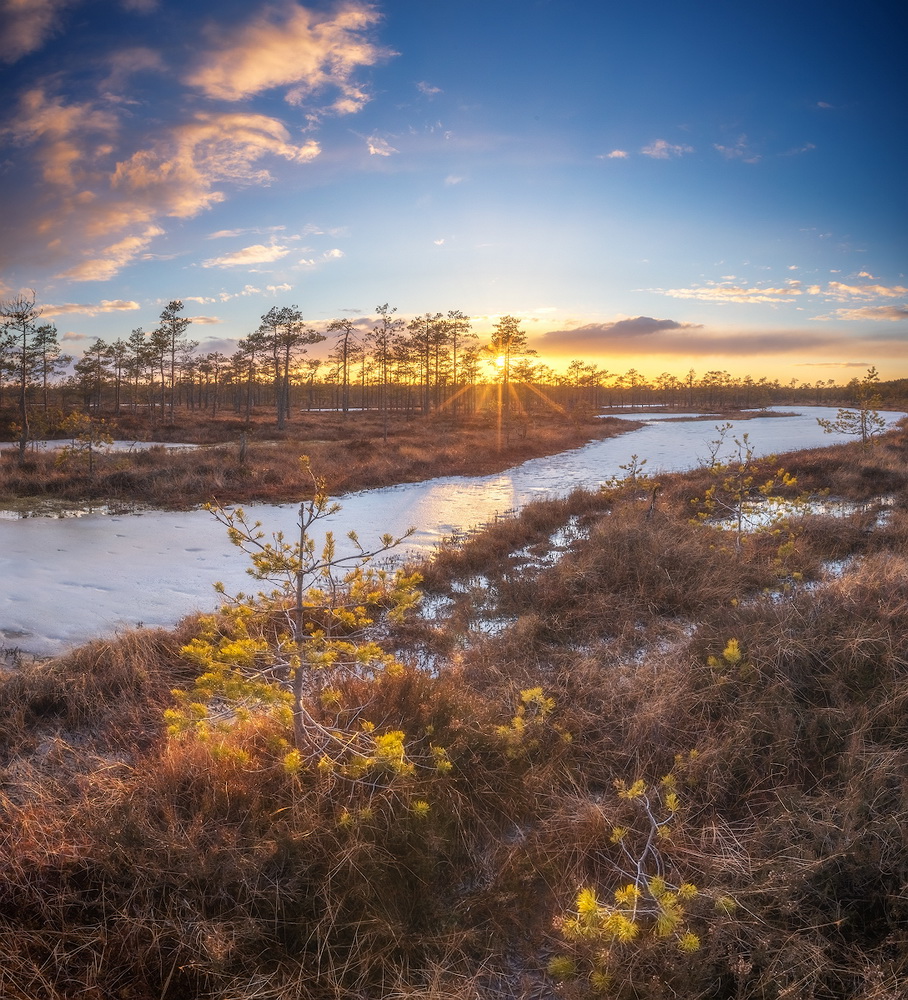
x=178 y=172
x=733 y=293
x=615 y=154
x=109 y=181
x=89 y=309
x=892 y=314
x=25 y=25
x=68 y=139
x=428 y=89
x=741 y=150
x=798 y=150
x=334 y=254
x=841 y=292
x=289 y=46
x=248 y=256
x=112 y=258
x=225 y=233
x=380 y=147
x=123 y=64
x=661 y=149
x=245 y=292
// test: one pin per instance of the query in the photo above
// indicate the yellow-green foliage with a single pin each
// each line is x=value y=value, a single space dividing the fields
x=731 y=663
x=648 y=905
x=522 y=732
x=283 y=654
x=743 y=499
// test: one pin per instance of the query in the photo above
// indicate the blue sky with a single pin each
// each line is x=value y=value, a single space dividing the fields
x=660 y=186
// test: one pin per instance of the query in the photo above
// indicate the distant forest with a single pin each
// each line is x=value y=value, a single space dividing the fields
x=433 y=363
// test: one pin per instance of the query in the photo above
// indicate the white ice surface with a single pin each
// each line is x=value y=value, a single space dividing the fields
x=63 y=581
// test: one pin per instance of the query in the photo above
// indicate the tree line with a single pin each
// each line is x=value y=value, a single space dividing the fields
x=433 y=363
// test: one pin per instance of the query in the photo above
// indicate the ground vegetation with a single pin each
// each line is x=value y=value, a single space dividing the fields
x=619 y=751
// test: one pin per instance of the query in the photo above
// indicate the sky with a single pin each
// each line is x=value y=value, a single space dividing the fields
x=664 y=186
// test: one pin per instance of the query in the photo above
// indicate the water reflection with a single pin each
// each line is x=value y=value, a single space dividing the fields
x=67 y=580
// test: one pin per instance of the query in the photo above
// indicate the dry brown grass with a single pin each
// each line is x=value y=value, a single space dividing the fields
x=137 y=865
x=351 y=452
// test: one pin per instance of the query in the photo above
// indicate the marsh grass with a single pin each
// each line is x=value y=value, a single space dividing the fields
x=142 y=865
x=239 y=462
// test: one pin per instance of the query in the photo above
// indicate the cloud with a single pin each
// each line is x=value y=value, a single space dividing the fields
x=844 y=293
x=683 y=343
x=90 y=309
x=663 y=150
x=797 y=150
x=113 y=258
x=25 y=25
x=892 y=314
x=123 y=64
x=334 y=254
x=452 y=179
x=380 y=147
x=205 y=320
x=615 y=154
x=740 y=151
x=428 y=89
x=64 y=136
x=248 y=256
x=286 y=45
x=224 y=233
x=732 y=293
x=139 y=6
x=602 y=335
x=177 y=173
x=245 y=292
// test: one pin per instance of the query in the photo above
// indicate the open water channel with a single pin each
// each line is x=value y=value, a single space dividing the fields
x=66 y=580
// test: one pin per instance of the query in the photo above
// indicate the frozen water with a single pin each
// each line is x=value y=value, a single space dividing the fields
x=63 y=581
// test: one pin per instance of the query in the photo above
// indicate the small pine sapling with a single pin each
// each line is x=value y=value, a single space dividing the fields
x=282 y=652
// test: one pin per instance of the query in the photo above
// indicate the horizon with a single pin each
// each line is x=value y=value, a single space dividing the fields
x=639 y=188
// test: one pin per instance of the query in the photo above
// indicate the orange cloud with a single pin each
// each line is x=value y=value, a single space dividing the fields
x=25 y=25
x=248 y=256
x=891 y=314
x=177 y=173
x=90 y=309
x=843 y=293
x=64 y=136
x=290 y=46
x=113 y=258
x=733 y=293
